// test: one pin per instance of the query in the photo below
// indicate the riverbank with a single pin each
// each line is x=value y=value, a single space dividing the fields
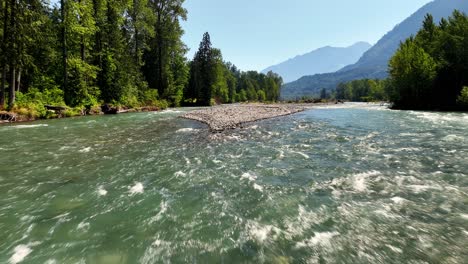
x=14 y=117
x=223 y=117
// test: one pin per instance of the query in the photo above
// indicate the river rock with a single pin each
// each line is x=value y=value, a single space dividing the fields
x=223 y=117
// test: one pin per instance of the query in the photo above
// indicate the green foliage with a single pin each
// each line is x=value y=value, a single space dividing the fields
x=462 y=99
x=362 y=91
x=150 y=97
x=32 y=103
x=261 y=96
x=413 y=73
x=80 y=90
x=429 y=71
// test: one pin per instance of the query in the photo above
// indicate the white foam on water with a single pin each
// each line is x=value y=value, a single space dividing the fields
x=464 y=216
x=395 y=249
x=398 y=200
x=136 y=189
x=101 y=191
x=301 y=154
x=258 y=187
x=64 y=148
x=305 y=219
x=359 y=181
x=320 y=239
x=163 y=206
x=453 y=138
x=385 y=211
x=217 y=161
x=233 y=137
x=85 y=150
x=83 y=226
x=168 y=111
x=27 y=218
x=261 y=233
x=420 y=188
x=185 y=130
x=20 y=252
x=159 y=251
x=31 y=126
x=440 y=118
x=180 y=174
x=407 y=149
x=254 y=127
x=51 y=261
x=281 y=154
x=248 y=176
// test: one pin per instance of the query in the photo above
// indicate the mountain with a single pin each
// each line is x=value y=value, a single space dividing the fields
x=326 y=59
x=374 y=62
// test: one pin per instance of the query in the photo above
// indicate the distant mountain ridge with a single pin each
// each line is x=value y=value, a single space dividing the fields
x=322 y=60
x=374 y=62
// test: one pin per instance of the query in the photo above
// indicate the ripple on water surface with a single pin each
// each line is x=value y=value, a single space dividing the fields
x=340 y=184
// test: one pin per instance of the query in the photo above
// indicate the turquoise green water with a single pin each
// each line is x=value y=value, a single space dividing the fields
x=357 y=184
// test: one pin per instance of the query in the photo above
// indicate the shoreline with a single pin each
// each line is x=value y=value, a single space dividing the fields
x=225 y=117
x=16 y=118
x=218 y=118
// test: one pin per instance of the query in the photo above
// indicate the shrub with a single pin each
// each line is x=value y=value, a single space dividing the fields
x=463 y=98
x=31 y=104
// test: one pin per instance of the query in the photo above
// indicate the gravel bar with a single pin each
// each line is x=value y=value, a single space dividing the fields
x=220 y=118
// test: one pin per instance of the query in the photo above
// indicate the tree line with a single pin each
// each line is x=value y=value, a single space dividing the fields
x=367 y=90
x=83 y=53
x=214 y=81
x=428 y=71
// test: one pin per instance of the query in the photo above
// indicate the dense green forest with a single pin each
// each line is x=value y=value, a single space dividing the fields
x=86 y=53
x=430 y=70
x=214 y=81
x=367 y=90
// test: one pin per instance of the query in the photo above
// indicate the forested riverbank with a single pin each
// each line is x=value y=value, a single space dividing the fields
x=428 y=71
x=81 y=55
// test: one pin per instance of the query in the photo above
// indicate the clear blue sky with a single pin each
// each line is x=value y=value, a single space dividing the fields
x=254 y=34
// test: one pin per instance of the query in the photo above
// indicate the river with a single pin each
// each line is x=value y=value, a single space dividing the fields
x=341 y=184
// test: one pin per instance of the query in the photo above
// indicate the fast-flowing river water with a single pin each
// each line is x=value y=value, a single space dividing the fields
x=350 y=184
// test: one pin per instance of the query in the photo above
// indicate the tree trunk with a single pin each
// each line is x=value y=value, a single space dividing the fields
x=135 y=18
x=12 y=53
x=97 y=49
x=2 y=87
x=18 y=80
x=3 y=58
x=64 y=46
x=11 y=93
x=159 y=37
x=82 y=45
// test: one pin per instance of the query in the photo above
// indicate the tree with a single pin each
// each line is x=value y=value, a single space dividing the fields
x=429 y=70
x=165 y=47
x=412 y=72
x=202 y=73
x=323 y=94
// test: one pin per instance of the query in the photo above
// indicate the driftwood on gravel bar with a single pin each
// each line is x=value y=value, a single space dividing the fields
x=224 y=117
x=8 y=117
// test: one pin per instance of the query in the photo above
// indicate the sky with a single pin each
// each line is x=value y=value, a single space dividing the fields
x=255 y=34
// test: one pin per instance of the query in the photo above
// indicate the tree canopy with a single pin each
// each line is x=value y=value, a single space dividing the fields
x=86 y=53
x=429 y=70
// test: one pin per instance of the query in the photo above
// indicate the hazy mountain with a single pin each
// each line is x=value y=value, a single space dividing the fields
x=326 y=59
x=374 y=62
